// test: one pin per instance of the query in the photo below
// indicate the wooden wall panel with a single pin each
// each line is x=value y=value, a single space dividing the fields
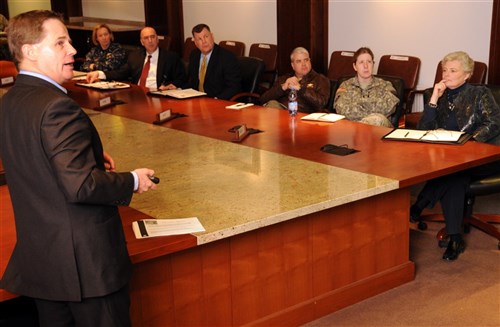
x=166 y=17
x=4 y=8
x=303 y=23
x=67 y=8
x=494 y=63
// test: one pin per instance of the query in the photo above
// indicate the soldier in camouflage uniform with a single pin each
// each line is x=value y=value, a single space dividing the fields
x=366 y=98
x=106 y=55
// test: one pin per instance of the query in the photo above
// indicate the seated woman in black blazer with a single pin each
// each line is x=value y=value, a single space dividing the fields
x=457 y=105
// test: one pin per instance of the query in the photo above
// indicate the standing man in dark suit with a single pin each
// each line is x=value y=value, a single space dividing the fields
x=70 y=255
x=165 y=70
x=221 y=77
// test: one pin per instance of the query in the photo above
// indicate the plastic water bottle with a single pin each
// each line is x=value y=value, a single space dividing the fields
x=292 y=102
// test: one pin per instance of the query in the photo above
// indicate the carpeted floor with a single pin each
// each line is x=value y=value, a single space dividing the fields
x=462 y=293
x=465 y=292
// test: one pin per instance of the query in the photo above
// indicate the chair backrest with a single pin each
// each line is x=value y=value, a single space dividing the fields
x=269 y=54
x=478 y=74
x=164 y=41
x=251 y=69
x=8 y=72
x=340 y=65
x=406 y=67
x=334 y=84
x=188 y=47
x=399 y=85
x=236 y=47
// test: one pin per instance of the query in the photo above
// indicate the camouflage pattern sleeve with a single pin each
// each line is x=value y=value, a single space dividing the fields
x=356 y=103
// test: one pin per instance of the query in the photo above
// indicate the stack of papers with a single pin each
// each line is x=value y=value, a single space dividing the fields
x=105 y=85
x=179 y=93
x=162 y=227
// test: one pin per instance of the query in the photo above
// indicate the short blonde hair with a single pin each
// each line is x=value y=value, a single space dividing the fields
x=462 y=57
x=97 y=28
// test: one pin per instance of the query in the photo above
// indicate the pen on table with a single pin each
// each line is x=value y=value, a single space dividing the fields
x=407 y=134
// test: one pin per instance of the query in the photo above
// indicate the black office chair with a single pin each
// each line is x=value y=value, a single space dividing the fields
x=251 y=69
x=334 y=84
x=406 y=67
x=485 y=186
x=398 y=84
x=268 y=53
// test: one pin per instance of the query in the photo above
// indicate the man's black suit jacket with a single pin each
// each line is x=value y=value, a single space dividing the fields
x=170 y=68
x=222 y=78
x=70 y=240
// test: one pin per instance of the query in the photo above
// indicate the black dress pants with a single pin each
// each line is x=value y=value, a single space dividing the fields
x=106 y=311
x=450 y=190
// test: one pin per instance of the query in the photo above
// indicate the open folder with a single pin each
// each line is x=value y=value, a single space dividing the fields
x=179 y=93
x=103 y=85
x=431 y=136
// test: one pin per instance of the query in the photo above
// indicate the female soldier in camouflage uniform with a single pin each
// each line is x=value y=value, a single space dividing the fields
x=364 y=97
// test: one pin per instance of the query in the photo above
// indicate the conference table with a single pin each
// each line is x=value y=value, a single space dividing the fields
x=291 y=233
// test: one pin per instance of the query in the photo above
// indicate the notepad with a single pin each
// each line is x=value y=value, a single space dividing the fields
x=433 y=136
x=320 y=116
x=145 y=228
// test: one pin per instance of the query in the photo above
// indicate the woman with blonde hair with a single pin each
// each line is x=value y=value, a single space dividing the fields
x=106 y=55
x=459 y=106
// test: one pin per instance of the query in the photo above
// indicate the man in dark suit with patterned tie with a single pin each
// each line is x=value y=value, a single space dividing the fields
x=71 y=256
x=221 y=77
x=161 y=69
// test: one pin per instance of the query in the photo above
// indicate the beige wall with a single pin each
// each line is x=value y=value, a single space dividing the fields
x=132 y=10
x=19 y=6
x=242 y=20
x=423 y=28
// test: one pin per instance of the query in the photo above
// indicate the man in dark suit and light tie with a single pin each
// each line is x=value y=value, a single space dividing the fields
x=70 y=255
x=212 y=69
x=152 y=66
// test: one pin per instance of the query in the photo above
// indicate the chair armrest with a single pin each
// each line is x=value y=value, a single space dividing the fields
x=252 y=97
